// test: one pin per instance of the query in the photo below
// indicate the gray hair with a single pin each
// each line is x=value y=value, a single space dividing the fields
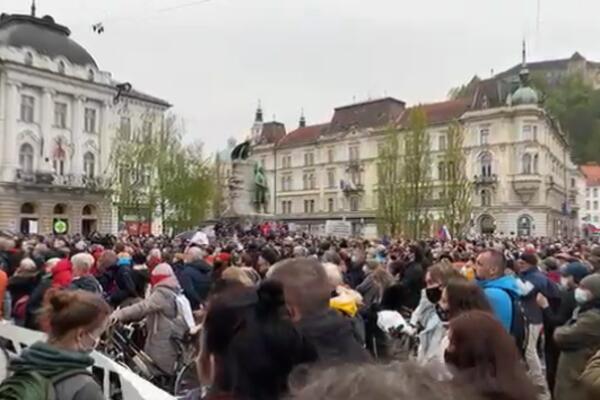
x=194 y=253
x=27 y=265
x=82 y=261
x=156 y=253
x=334 y=276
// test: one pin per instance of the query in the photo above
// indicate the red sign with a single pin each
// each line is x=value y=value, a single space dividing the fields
x=138 y=228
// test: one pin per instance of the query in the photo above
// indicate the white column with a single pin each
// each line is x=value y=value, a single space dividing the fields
x=10 y=151
x=46 y=124
x=105 y=137
x=77 y=136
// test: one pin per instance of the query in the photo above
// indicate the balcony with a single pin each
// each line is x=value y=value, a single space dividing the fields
x=526 y=186
x=354 y=165
x=47 y=180
x=485 y=180
x=349 y=188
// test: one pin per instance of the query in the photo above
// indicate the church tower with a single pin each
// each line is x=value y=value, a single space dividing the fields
x=257 y=127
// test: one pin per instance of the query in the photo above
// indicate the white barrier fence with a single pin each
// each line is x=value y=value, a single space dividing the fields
x=117 y=381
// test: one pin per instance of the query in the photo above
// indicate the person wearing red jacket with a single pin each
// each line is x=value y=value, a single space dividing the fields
x=62 y=274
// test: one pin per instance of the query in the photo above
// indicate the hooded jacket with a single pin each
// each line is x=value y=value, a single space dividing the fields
x=497 y=292
x=62 y=274
x=333 y=337
x=195 y=279
x=87 y=283
x=539 y=283
x=50 y=361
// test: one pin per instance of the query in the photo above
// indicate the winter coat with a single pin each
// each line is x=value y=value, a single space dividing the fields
x=195 y=280
x=501 y=302
x=413 y=278
x=431 y=332
x=141 y=278
x=118 y=283
x=539 y=283
x=370 y=291
x=333 y=337
x=62 y=274
x=22 y=285
x=87 y=283
x=36 y=299
x=591 y=377
x=161 y=313
x=578 y=341
x=50 y=361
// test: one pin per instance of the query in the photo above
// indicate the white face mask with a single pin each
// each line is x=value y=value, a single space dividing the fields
x=582 y=296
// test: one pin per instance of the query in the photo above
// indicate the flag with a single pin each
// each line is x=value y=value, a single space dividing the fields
x=444 y=234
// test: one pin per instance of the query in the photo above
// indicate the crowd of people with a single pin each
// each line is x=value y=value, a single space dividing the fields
x=285 y=315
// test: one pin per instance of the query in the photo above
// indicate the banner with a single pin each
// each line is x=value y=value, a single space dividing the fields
x=337 y=228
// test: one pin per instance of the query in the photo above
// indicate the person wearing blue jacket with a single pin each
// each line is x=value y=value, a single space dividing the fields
x=498 y=287
x=195 y=277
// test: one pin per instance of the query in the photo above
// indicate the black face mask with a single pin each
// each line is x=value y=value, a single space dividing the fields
x=442 y=314
x=434 y=294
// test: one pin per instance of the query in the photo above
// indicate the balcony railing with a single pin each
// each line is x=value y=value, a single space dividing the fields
x=350 y=188
x=47 y=179
x=486 y=179
x=354 y=165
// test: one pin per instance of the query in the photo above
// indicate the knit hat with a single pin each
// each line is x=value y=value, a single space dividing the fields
x=577 y=270
x=592 y=283
x=163 y=274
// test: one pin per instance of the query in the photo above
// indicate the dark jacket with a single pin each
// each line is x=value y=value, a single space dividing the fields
x=141 y=279
x=413 y=279
x=87 y=283
x=333 y=338
x=50 y=361
x=195 y=279
x=36 y=299
x=22 y=285
x=117 y=281
x=541 y=284
x=578 y=341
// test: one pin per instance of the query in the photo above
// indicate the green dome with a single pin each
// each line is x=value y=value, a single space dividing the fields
x=525 y=95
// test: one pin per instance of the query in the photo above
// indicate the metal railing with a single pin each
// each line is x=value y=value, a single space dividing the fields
x=42 y=178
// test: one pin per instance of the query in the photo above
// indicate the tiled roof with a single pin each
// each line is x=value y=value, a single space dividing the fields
x=305 y=135
x=438 y=113
x=591 y=173
x=272 y=132
x=372 y=113
x=492 y=91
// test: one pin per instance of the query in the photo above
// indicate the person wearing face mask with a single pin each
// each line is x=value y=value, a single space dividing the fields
x=578 y=340
x=163 y=318
x=429 y=327
x=75 y=321
x=554 y=317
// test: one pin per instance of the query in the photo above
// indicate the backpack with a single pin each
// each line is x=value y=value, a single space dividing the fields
x=519 y=325
x=184 y=310
x=32 y=385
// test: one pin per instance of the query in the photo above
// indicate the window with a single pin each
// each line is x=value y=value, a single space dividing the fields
x=89 y=165
x=442 y=142
x=125 y=128
x=486 y=198
x=27 y=108
x=309 y=159
x=27 y=208
x=286 y=183
x=595 y=205
x=308 y=181
x=60 y=209
x=29 y=58
x=441 y=171
x=60 y=115
x=588 y=204
x=330 y=155
x=572 y=182
x=451 y=170
x=526 y=132
x=26 y=158
x=59 y=166
x=595 y=192
x=286 y=161
x=309 y=206
x=355 y=177
x=526 y=164
x=486 y=164
x=535 y=164
x=331 y=178
x=354 y=153
x=330 y=205
x=90 y=120
x=147 y=128
x=484 y=135
x=91 y=75
x=354 y=203
x=61 y=67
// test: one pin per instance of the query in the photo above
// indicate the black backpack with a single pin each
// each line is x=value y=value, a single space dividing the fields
x=519 y=325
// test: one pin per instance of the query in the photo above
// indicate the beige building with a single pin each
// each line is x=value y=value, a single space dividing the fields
x=58 y=116
x=517 y=157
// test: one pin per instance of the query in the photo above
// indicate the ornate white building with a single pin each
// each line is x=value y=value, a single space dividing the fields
x=517 y=157
x=58 y=116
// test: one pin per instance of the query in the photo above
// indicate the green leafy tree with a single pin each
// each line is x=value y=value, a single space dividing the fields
x=417 y=178
x=390 y=191
x=456 y=187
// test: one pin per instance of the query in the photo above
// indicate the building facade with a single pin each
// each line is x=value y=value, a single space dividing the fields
x=591 y=211
x=59 y=114
x=517 y=159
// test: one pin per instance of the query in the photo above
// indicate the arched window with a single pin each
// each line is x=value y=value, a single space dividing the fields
x=26 y=157
x=526 y=163
x=60 y=209
x=88 y=209
x=486 y=198
x=441 y=171
x=89 y=164
x=28 y=58
x=27 y=208
x=451 y=170
x=91 y=75
x=61 y=67
x=486 y=164
x=535 y=164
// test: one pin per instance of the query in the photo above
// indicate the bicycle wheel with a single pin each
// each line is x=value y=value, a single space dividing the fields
x=186 y=380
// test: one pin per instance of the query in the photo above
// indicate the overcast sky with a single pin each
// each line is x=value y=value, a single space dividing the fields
x=214 y=59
